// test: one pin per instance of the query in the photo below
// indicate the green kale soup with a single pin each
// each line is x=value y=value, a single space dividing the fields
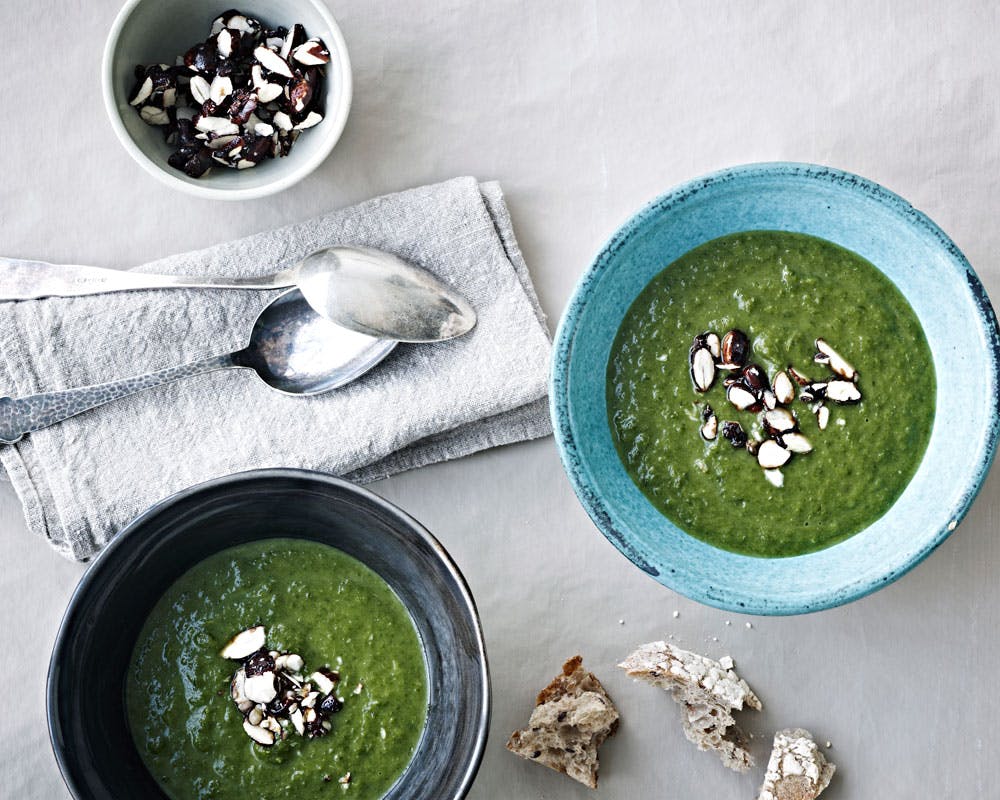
x=316 y=602
x=687 y=449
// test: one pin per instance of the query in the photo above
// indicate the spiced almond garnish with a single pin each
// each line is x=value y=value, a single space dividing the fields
x=325 y=680
x=261 y=688
x=798 y=377
x=742 y=398
x=263 y=736
x=795 y=442
x=269 y=690
x=813 y=391
x=754 y=378
x=710 y=428
x=840 y=365
x=735 y=349
x=236 y=691
x=771 y=455
x=784 y=391
x=245 y=643
x=822 y=417
x=702 y=365
x=778 y=421
x=748 y=389
x=843 y=391
x=775 y=477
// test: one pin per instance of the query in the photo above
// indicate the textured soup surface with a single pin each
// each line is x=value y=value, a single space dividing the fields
x=784 y=290
x=315 y=601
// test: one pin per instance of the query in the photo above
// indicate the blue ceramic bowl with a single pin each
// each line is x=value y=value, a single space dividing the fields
x=914 y=253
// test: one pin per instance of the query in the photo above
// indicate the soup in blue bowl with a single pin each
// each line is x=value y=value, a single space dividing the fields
x=757 y=386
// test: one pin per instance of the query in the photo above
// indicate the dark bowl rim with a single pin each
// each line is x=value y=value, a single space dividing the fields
x=92 y=574
x=559 y=378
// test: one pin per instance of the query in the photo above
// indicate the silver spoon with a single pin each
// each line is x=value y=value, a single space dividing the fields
x=291 y=348
x=361 y=289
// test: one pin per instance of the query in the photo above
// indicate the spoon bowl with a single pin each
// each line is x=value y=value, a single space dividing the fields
x=372 y=292
x=296 y=351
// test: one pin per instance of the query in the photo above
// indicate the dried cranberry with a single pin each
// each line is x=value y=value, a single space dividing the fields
x=261 y=661
x=242 y=104
x=330 y=705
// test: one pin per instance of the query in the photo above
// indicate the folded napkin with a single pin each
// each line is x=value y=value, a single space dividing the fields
x=82 y=480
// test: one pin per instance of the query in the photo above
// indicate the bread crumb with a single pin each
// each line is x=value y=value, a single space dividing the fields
x=621 y=622
x=829 y=744
x=715 y=638
x=726 y=662
x=749 y=625
x=728 y=622
x=677 y=614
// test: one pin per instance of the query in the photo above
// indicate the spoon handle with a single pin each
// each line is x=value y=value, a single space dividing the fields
x=21 y=415
x=29 y=280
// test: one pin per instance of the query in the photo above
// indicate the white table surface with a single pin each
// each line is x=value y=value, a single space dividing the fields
x=584 y=110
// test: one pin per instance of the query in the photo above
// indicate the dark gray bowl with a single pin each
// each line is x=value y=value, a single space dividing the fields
x=85 y=703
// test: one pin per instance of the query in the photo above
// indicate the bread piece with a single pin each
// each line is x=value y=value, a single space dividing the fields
x=708 y=693
x=573 y=716
x=797 y=769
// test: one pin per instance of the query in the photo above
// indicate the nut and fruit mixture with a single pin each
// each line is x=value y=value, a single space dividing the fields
x=240 y=97
x=275 y=694
x=776 y=437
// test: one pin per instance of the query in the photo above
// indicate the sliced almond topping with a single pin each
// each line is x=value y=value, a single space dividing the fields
x=272 y=62
x=779 y=420
x=260 y=735
x=735 y=349
x=796 y=442
x=245 y=643
x=843 y=391
x=836 y=362
x=771 y=455
x=783 y=388
x=798 y=377
x=144 y=91
x=702 y=368
x=741 y=397
x=261 y=688
x=323 y=683
x=822 y=417
x=775 y=477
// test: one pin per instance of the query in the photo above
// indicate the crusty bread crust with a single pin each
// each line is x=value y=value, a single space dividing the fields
x=706 y=691
x=573 y=716
x=797 y=769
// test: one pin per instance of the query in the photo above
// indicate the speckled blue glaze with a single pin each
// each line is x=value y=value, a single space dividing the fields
x=914 y=253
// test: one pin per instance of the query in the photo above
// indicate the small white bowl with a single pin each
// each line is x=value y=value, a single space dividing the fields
x=156 y=31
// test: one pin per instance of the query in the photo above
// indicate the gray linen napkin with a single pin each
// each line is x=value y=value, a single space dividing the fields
x=82 y=480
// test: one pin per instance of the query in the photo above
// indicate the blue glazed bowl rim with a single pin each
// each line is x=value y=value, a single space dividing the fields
x=120 y=540
x=590 y=497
